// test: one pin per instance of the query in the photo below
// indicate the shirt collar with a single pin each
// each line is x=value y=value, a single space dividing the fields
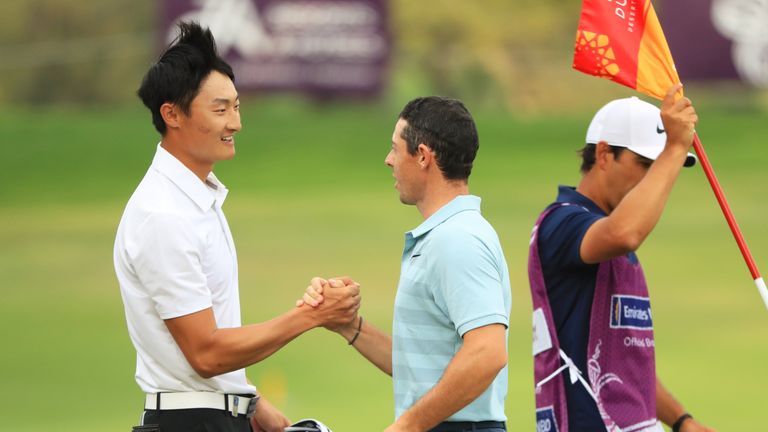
x=204 y=194
x=568 y=194
x=457 y=205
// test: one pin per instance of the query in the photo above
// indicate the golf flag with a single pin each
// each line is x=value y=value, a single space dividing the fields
x=622 y=41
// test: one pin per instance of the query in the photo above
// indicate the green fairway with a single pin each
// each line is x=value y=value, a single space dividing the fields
x=310 y=195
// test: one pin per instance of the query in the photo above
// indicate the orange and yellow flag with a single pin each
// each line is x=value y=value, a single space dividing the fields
x=622 y=40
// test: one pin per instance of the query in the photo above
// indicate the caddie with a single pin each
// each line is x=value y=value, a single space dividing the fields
x=594 y=353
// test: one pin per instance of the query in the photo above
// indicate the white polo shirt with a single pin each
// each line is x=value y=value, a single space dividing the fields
x=174 y=255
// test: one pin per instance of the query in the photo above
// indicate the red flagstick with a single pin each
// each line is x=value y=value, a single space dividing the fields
x=730 y=218
x=608 y=47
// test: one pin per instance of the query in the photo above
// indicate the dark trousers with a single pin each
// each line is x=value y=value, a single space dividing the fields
x=196 y=420
x=485 y=426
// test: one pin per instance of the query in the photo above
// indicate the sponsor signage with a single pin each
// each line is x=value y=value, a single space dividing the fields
x=545 y=420
x=322 y=47
x=631 y=312
x=718 y=39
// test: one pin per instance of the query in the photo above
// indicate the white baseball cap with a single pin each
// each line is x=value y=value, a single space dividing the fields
x=634 y=124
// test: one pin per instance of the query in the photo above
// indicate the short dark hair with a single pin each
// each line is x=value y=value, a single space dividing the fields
x=587 y=154
x=177 y=75
x=445 y=126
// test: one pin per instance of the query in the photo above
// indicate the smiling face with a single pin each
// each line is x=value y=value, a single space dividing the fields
x=207 y=132
x=409 y=177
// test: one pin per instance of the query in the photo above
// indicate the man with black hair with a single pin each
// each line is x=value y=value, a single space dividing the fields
x=448 y=351
x=592 y=320
x=176 y=262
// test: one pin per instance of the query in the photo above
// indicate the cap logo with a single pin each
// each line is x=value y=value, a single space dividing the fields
x=659 y=130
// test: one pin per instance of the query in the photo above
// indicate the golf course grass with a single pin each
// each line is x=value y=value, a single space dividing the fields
x=310 y=195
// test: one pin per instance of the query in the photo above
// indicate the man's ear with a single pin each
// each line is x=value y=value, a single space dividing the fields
x=603 y=155
x=170 y=113
x=426 y=155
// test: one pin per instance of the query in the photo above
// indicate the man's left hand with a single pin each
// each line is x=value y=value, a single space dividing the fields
x=267 y=418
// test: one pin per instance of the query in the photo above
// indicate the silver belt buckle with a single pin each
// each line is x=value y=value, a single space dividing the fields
x=235 y=403
x=252 y=406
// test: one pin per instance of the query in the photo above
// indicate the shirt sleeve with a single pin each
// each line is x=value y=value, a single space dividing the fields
x=471 y=283
x=561 y=234
x=167 y=257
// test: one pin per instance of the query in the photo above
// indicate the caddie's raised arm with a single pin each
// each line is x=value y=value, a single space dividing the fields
x=634 y=199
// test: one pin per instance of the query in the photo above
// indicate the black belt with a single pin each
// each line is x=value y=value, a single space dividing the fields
x=467 y=426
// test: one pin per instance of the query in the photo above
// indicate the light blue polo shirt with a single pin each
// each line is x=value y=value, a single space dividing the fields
x=453 y=279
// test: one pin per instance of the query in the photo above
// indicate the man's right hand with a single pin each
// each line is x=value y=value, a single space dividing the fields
x=335 y=301
x=679 y=118
x=372 y=343
x=313 y=295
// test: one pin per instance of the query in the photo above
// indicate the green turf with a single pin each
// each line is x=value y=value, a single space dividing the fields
x=310 y=195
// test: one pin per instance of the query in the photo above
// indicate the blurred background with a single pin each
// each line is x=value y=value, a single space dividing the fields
x=322 y=84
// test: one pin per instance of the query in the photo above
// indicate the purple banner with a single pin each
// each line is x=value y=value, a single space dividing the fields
x=718 y=39
x=323 y=47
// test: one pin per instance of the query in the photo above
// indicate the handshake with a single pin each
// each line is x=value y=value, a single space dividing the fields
x=332 y=303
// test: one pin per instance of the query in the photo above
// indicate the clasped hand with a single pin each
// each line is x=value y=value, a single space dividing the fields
x=335 y=300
